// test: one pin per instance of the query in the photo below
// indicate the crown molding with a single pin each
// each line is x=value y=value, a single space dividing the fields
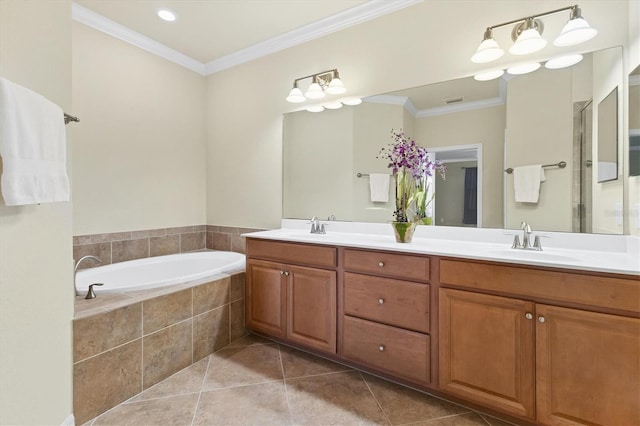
x=107 y=26
x=356 y=15
x=350 y=17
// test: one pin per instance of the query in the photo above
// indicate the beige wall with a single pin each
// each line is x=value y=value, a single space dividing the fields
x=608 y=196
x=481 y=126
x=139 y=150
x=36 y=269
x=245 y=104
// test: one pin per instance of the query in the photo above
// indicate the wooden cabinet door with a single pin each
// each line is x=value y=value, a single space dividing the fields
x=311 y=314
x=588 y=367
x=486 y=350
x=265 y=303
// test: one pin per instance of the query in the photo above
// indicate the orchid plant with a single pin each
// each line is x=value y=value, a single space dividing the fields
x=411 y=168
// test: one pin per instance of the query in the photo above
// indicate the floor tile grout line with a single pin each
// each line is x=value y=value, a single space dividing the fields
x=484 y=419
x=384 y=413
x=284 y=383
x=204 y=378
x=320 y=374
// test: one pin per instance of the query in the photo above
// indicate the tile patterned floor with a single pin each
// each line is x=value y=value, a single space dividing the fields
x=254 y=381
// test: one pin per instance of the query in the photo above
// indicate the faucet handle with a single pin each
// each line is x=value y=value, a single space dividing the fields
x=526 y=227
x=536 y=243
x=91 y=294
x=516 y=242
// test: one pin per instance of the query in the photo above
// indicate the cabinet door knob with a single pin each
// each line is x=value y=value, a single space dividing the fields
x=381 y=348
x=381 y=264
x=528 y=315
x=541 y=319
x=281 y=272
x=286 y=273
x=380 y=301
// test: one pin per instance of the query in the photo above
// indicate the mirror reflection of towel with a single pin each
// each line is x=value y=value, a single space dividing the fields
x=379 y=185
x=526 y=183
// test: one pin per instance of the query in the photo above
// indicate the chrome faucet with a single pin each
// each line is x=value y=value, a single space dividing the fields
x=90 y=294
x=526 y=239
x=316 y=226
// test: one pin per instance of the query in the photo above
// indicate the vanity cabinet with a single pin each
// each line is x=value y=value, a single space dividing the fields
x=528 y=357
x=385 y=316
x=291 y=301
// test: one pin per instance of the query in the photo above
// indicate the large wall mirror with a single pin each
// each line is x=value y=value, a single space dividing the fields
x=608 y=137
x=546 y=117
x=634 y=122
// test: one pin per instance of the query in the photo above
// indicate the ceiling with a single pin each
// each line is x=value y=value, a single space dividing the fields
x=218 y=34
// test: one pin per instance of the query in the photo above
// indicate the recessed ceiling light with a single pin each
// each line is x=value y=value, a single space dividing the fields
x=167 y=15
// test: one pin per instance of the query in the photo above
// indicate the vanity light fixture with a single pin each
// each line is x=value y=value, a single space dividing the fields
x=321 y=83
x=523 y=68
x=167 y=15
x=562 y=61
x=333 y=105
x=352 y=101
x=527 y=35
x=488 y=75
x=315 y=108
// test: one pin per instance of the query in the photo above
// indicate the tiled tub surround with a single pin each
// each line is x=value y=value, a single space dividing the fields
x=122 y=246
x=125 y=343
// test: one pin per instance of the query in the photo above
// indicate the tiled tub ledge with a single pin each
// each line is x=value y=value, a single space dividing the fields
x=124 y=343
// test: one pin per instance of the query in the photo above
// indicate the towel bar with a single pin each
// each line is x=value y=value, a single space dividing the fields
x=561 y=164
x=69 y=118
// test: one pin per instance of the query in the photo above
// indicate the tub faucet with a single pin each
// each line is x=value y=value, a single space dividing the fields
x=75 y=272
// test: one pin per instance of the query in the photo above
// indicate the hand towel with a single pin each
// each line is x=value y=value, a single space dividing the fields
x=526 y=183
x=379 y=185
x=32 y=146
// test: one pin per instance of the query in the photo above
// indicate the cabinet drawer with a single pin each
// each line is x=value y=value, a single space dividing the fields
x=400 y=303
x=403 y=266
x=594 y=290
x=392 y=350
x=302 y=254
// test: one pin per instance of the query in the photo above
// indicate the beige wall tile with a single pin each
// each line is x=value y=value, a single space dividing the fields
x=220 y=241
x=166 y=352
x=164 y=311
x=168 y=244
x=147 y=233
x=237 y=329
x=210 y=332
x=192 y=241
x=237 y=287
x=129 y=250
x=211 y=295
x=238 y=244
x=101 y=250
x=106 y=380
x=101 y=332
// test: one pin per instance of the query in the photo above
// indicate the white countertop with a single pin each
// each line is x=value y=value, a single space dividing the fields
x=587 y=252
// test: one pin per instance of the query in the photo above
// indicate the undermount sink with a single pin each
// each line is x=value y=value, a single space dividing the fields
x=532 y=255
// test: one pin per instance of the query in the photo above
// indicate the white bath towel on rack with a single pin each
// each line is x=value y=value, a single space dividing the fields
x=32 y=146
x=526 y=183
x=379 y=186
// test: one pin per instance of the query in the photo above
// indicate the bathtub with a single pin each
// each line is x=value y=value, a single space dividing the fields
x=160 y=271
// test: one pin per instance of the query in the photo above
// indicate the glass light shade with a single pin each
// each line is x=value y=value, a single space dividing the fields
x=333 y=105
x=167 y=15
x=528 y=42
x=523 y=68
x=336 y=87
x=575 y=31
x=314 y=91
x=487 y=51
x=352 y=101
x=563 y=61
x=315 y=108
x=296 y=96
x=488 y=75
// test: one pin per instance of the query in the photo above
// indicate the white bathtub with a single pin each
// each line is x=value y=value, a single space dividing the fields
x=160 y=271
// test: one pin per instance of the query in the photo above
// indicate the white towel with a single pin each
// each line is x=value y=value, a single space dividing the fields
x=32 y=146
x=526 y=183
x=379 y=185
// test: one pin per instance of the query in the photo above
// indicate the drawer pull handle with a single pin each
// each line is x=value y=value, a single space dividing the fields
x=381 y=264
x=541 y=319
x=381 y=348
x=380 y=301
x=528 y=315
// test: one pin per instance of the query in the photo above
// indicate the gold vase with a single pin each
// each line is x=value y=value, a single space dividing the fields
x=403 y=231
